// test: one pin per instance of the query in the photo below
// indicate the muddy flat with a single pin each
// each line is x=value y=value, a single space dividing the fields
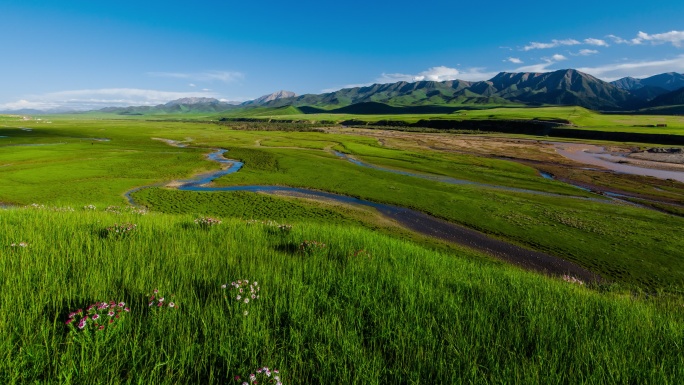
x=599 y=156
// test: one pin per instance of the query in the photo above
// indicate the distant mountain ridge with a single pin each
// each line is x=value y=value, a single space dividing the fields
x=193 y=101
x=653 y=87
x=195 y=105
x=669 y=81
x=270 y=97
x=562 y=87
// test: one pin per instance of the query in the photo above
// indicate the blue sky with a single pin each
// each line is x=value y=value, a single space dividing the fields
x=90 y=54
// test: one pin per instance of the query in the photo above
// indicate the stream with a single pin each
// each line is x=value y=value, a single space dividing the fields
x=414 y=220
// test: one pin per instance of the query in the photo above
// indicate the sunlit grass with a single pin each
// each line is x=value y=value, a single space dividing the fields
x=394 y=313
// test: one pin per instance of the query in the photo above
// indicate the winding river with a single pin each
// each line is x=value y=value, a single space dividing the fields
x=414 y=220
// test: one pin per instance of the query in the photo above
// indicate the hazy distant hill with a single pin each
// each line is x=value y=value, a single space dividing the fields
x=269 y=98
x=652 y=87
x=673 y=98
x=669 y=81
x=629 y=83
x=183 y=105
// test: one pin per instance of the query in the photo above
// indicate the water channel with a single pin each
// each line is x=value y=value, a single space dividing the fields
x=414 y=220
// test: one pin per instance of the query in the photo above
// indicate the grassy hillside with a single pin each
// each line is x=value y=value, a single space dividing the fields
x=363 y=309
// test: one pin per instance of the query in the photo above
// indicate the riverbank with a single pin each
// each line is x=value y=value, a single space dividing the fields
x=599 y=156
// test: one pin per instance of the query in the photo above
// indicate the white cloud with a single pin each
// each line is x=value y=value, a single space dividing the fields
x=542 y=67
x=514 y=60
x=618 y=39
x=25 y=104
x=676 y=38
x=596 y=42
x=587 y=52
x=95 y=99
x=553 y=44
x=638 y=69
x=192 y=85
x=224 y=76
x=436 y=74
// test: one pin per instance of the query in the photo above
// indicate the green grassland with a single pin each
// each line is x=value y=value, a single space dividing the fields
x=590 y=233
x=581 y=118
x=371 y=307
x=394 y=313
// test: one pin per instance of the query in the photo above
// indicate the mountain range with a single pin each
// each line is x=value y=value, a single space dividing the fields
x=563 y=87
x=663 y=93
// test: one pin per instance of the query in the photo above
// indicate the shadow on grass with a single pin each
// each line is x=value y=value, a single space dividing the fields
x=288 y=247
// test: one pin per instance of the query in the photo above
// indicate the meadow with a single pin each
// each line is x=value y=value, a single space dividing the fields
x=580 y=118
x=346 y=295
x=362 y=309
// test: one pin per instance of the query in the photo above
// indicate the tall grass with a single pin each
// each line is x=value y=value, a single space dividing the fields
x=392 y=313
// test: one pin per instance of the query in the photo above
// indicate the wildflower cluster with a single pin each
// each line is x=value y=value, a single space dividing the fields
x=98 y=316
x=121 y=230
x=311 y=247
x=284 y=227
x=138 y=210
x=20 y=244
x=158 y=301
x=242 y=292
x=121 y=210
x=362 y=253
x=89 y=207
x=206 y=222
x=113 y=209
x=37 y=206
x=571 y=279
x=278 y=227
x=262 y=376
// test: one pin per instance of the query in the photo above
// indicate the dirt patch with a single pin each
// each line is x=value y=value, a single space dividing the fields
x=671 y=158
